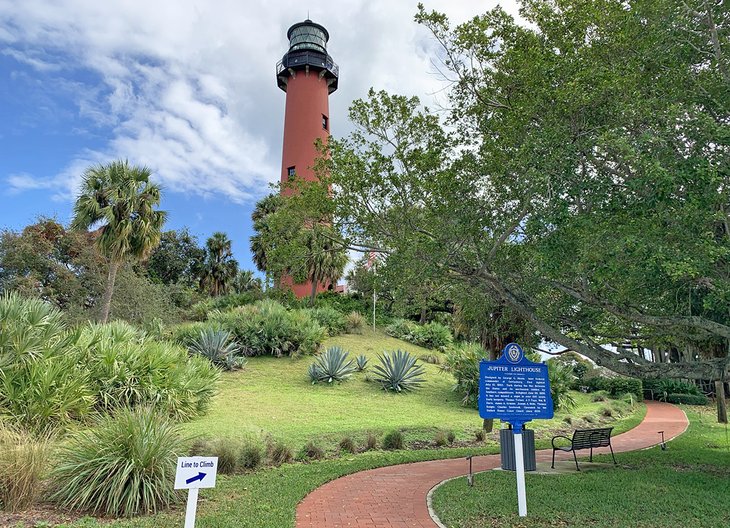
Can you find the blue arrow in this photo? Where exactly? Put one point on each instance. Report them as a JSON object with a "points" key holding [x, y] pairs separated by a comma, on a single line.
{"points": [[199, 476]]}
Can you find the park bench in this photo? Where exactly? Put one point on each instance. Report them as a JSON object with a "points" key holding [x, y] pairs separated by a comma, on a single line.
{"points": [[585, 439]]}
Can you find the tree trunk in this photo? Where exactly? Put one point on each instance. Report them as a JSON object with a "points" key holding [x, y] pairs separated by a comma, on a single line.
{"points": [[423, 315], [721, 403], [314, 293], [107, 300]]}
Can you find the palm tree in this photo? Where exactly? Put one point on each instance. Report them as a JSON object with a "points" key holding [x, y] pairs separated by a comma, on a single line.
{"points": [[118, 199], [266, 206], [246, 281], [325, 259], [220, 267]]}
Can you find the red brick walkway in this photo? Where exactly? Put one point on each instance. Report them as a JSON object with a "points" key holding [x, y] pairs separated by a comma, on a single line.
{"points": [[395, 496]]}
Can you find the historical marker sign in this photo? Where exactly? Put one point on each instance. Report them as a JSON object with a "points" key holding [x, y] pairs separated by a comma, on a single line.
{"points": [[515, 390]]}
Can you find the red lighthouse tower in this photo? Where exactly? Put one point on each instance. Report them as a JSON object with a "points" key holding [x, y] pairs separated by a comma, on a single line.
{"points": [[308, 75]]}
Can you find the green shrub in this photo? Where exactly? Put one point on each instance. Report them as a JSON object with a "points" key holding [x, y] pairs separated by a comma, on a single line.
{"points": [[462, 362], [127, 370], [433, 335], [403, 329], [268, 328], [354, 323], [433, 359], [43, 385], [480, 435], [23, 464], [311, 450], [251, 454], [334, 364], [600, 396], [278, 452], [218, 347], [361, 362], [607, 411], [440, 439], [228, 452], [616, 386], [661, 387], [561, 380], [186, 333], [122, 467], [343, 303], [223, 303], [398, 371], [393, 440], [451, 437], [687, 399], [331, 319]]}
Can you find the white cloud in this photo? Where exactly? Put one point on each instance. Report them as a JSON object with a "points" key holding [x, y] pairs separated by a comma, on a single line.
{"points": [[188, 88]]}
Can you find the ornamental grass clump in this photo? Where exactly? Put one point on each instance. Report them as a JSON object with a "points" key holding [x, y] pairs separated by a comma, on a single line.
{"points": [[347, 445], [23, 464], [278, 452], [334, 364], [311, 451], [123, 466], [354, 322], [398, 371], [393, 440], [371, 442], [252, 453], [227, 450]]}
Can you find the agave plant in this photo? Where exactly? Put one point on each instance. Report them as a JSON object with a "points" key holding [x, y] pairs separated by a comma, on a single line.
{"points": [[334, 364], [219, 347], [398, 371], [361, 362]]}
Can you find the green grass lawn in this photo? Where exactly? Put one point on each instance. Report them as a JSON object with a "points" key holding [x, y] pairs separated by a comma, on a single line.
{"points": [[274, 396], [686, 485]]}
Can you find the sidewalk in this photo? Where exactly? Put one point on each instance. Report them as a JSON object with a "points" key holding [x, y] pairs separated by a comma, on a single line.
{"points": [[395, 496]]}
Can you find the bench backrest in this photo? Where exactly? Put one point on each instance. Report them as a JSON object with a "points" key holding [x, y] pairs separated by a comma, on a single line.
{"points": [[585, 438]]}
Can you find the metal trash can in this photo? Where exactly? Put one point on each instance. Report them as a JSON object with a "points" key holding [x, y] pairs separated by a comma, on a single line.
{"points": [[507, 449]]}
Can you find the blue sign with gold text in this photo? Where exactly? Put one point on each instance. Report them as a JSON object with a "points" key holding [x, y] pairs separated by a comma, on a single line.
{"points": [[514, 389]]}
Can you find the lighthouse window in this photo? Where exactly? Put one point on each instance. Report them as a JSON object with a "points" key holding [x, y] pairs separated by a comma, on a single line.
{"points": [[291, 172], [325, 122]]}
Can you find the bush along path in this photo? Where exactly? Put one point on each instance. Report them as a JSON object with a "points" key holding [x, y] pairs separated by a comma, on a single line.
{"points": [[396, 496]]}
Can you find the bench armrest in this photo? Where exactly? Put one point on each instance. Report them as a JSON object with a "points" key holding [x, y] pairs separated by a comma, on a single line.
{"points": [[561, 436]]}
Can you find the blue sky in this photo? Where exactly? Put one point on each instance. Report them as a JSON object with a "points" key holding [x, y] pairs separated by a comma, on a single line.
{"points": [[186, 88]]}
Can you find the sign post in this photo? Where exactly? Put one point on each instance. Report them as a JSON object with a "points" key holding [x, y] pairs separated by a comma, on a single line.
{"points": [[193, 473], [515, 390]]}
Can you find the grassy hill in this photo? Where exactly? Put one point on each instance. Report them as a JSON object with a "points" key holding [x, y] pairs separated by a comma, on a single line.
{"points": [[274, 396]]}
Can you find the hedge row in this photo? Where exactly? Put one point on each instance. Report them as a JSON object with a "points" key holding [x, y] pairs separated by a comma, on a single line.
{"points": [[617, 386]]}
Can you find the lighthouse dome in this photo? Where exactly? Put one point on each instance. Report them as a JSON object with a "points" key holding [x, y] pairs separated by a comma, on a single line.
{"points": [[308, 35]]}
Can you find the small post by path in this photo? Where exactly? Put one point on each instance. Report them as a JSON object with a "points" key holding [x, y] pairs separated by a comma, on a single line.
{"points": [[520, 472], [193, 473]]}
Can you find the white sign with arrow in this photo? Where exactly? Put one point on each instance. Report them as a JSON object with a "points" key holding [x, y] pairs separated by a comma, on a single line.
{"points": [[192, 474]]}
